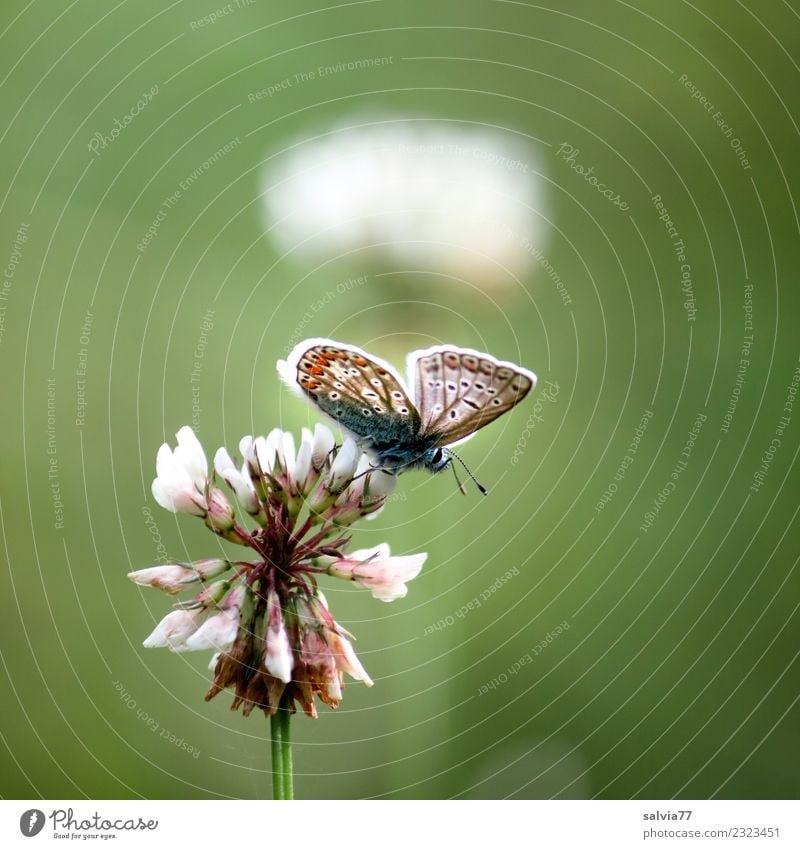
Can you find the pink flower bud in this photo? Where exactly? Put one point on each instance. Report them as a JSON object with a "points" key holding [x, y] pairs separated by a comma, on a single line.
{"points": [[172, 578], [220, 516]]}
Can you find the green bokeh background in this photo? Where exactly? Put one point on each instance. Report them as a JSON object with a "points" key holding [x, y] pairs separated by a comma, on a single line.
{"points": [[678, 674]]}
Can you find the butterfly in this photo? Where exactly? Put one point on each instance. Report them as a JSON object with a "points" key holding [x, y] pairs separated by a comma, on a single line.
{"points": [[453, 393]]}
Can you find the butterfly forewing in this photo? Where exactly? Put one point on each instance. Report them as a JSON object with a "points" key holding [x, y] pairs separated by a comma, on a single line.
{"points": [[357, 392], [459, 392]]}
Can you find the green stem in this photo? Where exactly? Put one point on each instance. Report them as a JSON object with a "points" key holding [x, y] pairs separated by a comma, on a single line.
{"points": [[277, 755], [282, 784], [288, 768]]}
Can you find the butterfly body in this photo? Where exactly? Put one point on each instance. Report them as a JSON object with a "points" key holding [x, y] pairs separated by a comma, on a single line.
{"points": [[454, 392]]}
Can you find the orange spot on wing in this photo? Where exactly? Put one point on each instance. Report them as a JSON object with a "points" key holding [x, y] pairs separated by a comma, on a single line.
{"points": [[315, 370]]}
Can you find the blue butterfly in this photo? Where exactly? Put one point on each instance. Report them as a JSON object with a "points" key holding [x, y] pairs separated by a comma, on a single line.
{"points": [[455, 392]]}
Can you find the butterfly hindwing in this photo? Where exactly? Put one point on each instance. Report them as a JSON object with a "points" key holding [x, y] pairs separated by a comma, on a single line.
{"points": [[359, 392], [458, 391]]}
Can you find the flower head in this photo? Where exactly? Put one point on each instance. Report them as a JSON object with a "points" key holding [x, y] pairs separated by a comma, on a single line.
{"points": [[267, 622]]}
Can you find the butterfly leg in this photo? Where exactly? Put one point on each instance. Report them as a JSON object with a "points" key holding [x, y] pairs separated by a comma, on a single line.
{"points": [[372, 469]]}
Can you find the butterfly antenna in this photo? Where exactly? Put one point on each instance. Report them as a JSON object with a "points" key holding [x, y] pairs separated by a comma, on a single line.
{"points": [[481, 489], [461, 488]]}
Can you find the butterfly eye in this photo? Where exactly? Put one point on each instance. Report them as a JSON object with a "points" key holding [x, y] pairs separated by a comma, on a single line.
{"points": [[437, 455]]}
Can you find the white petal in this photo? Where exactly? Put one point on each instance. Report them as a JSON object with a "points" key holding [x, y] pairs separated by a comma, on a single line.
{"points": [[344, 466], [381, 485], [303, 464], [223, 462], [177, 499], [191, 455], [389, 592], [217, 632], [246, 446], [165, 462], [379, 552], [323, 445], [287, 453], [173, 629], [265, 454], [278, 658], [346, 658]]}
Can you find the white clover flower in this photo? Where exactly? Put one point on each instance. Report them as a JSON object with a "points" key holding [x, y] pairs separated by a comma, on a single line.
{"points": [[267, 623]]}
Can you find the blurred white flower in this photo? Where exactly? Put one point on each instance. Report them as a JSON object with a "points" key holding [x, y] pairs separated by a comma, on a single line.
{"points": [[470, 199]]}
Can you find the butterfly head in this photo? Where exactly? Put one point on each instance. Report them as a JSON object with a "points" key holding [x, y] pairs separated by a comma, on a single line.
{"points": [[436, 459]]}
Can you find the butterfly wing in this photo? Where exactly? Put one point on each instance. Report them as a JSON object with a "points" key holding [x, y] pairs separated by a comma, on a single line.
{"points": [[358, 391], [458, 391]]}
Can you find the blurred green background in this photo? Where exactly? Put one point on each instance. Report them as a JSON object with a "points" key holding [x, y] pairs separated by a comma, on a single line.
{"points": [[677, 674]]}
